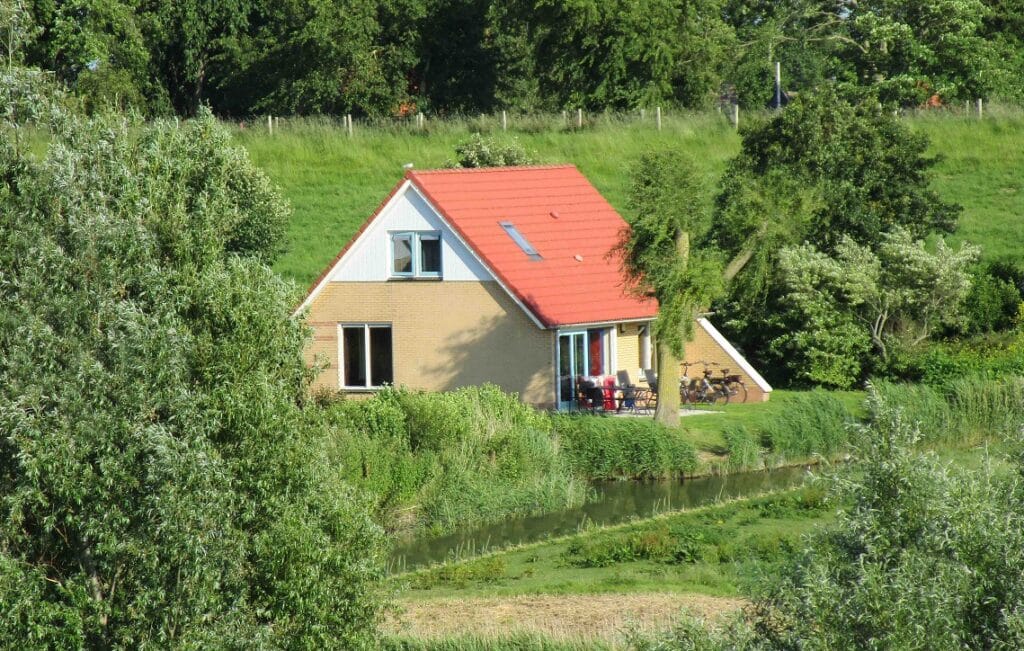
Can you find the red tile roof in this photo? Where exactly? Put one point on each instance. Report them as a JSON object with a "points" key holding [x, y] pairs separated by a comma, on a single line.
{"points": [[574, 229]]}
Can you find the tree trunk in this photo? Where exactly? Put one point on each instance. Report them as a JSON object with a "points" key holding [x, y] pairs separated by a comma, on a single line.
{"points": [[667, 412]]}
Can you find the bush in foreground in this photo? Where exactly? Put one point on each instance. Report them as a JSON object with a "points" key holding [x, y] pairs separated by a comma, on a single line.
{"points": [[160, 485], [925, 558]]}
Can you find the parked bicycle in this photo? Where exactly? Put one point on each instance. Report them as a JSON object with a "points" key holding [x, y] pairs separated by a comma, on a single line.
{"points": [[705, 390], [733, 385]]}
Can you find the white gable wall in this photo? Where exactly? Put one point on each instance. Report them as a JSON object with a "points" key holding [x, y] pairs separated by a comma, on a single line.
{"points": [[369, 258]]}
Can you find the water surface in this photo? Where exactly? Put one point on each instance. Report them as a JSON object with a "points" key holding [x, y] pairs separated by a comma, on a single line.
{"points": [[616, 502]]}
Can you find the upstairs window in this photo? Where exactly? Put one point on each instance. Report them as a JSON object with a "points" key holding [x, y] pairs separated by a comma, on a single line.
{"points": [[416, 254]]}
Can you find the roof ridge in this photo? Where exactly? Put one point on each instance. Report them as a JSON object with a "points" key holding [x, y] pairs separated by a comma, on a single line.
{"points": [[484, 170]]}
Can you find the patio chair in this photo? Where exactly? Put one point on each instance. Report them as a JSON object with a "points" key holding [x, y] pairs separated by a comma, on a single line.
{"points": [[647, 398], [589, 395], [652, 379]]}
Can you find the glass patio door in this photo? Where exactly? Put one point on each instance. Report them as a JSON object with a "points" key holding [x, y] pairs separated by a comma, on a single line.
{"points": [[572, 363]]}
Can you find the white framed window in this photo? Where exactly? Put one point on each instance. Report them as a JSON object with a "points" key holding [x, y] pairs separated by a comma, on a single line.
{"points": [[416, 254], [365, 355]]}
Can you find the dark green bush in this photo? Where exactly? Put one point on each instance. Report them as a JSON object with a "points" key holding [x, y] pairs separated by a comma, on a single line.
{"points": [[993, 302]]}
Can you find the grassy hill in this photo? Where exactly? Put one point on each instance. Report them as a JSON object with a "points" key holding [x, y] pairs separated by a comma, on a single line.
{"points": [[335, 182]]}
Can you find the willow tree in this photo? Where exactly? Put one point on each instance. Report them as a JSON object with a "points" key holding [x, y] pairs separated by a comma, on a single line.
{"points": [[162, 484], [662, 255], [668, 255]]}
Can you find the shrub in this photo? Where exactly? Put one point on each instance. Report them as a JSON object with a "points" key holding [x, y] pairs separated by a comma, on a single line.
{"points": [[815, 423], [992, 303], [606, 448], [479, 151], [490, 569], [743, 446], [859, 583]]}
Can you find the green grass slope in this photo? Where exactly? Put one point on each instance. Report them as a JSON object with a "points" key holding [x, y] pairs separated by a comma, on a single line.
{"points": [[334, 182]]}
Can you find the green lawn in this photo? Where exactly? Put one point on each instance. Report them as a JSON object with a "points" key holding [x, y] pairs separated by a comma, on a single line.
{"points": [[706, 432], [334, 183]]}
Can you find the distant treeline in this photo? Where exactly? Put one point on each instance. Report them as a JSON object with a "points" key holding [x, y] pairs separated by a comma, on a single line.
{"points": [[387, 57]]}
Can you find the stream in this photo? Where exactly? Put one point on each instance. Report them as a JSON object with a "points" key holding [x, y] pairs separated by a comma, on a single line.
{"points": [[616, 502]]}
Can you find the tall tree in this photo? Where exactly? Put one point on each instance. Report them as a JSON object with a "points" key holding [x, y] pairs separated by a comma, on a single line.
{"points": [[910, 51], [325, 56], [665, 257], [820, 170], [621, 54], [187, 39]]}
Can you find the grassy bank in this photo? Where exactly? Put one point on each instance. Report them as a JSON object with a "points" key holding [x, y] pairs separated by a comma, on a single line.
{"points": [[709, 550], [334, 182], [435, 462]]}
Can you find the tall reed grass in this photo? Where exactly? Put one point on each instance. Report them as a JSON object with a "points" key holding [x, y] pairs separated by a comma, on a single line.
{"points": [[816, 423], [624, 448], [962, 411], [445, 460]]}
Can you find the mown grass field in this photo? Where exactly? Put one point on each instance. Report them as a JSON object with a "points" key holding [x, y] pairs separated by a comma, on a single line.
{"points": [[334, 182]]}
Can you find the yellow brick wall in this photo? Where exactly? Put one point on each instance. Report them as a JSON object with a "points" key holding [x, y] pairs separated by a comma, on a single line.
{"points": [[445, 335], [700, 347], [703, 347], [628, 350]]}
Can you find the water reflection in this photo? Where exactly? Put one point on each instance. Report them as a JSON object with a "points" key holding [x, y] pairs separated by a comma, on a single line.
{"points": [[616, 502]]}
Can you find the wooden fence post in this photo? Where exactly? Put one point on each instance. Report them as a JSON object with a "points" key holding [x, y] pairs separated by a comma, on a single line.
{"points": [[657, 117], [579, 118], [270, 124], [348, 124], [736, 116], [504, 120], [979, 108]]}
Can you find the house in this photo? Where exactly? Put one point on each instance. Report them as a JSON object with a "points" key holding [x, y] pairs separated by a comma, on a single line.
{"points": [[501, 275]]}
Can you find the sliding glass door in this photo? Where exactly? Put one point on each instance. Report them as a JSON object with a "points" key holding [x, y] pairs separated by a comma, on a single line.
{"points": [[580, 354]]}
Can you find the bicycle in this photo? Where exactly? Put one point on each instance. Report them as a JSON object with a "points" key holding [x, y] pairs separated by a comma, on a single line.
{"points": [[733, 385], [708, 390]]}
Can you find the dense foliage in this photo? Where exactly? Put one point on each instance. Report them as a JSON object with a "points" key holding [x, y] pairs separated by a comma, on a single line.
{"points": [[886, 300], [860, 584], [438, 461], [160, 483], [831, 186], [390, 57], [665, 256]]}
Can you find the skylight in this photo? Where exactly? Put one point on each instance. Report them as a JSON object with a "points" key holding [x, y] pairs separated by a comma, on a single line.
{"points": [[520, 240]]}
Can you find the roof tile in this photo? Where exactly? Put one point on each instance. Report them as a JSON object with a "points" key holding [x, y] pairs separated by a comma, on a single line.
{"points": [[559, 289]]}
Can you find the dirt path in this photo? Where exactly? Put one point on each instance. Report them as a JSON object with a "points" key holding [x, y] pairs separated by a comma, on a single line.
{"points": [[601, 616]]}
